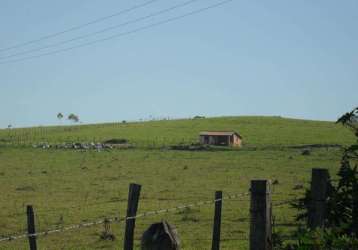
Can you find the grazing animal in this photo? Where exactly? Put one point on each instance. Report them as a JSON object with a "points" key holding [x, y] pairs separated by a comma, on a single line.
{"points": [[160, 236]]}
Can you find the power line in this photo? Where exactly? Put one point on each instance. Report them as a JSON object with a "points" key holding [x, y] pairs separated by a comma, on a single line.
{"points": [[102, 30], [123, 33], [101, 19]]}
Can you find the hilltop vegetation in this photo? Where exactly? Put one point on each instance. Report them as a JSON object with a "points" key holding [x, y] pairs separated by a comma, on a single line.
{"points": [[69, 187]]}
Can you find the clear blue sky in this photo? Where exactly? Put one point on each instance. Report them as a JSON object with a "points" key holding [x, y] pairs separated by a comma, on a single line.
{"points": [[248, 57]]}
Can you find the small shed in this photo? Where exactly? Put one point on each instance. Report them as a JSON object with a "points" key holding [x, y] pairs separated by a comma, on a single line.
{"points": [[221, 138]]}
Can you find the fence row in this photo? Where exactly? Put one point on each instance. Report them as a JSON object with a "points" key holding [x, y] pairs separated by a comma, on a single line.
{"points": [[68, 142], [260, 233]]}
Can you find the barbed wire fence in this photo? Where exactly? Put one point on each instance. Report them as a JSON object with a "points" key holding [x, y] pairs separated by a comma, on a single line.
{"points": [[259, 218], [79, 141], [78, 134], [121, 219], [115, 220]]}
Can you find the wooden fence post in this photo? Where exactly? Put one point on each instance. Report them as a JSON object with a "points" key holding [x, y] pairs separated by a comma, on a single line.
{"points": [[355, 209], [217, 221], [260, 212], [133, 199], [31, 227], [317, 203]]}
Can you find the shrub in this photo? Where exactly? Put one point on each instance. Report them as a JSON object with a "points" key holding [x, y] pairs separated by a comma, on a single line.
{"points": [[116, 141], [323, 240]]}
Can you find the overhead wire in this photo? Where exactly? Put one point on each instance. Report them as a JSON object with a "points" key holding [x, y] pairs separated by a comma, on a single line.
{"points": [[77, 27], [197, 11], [102, 30]]}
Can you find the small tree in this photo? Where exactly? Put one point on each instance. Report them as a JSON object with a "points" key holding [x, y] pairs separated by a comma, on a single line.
{"points": [[346, 192], [73, 117], [340, 230], [59, 116], [341, 203]]}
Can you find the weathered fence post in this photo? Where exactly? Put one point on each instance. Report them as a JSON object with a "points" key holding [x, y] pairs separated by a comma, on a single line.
{"points": [[217, 221], [260, 211], [355, 209], [133, 199], [31, 227], [317, 203]]}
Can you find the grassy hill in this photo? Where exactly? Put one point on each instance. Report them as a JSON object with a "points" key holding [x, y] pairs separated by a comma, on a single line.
{"points": [[255, 131], [68, 187]]}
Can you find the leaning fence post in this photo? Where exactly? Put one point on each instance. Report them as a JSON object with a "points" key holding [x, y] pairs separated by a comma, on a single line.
{"points": [[317, 203], [31, 227], [260, 212], [133, 198], [217, 221]]}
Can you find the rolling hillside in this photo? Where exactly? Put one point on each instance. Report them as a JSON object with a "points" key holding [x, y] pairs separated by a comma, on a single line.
{"points": [[255, 131], [71, 186]]}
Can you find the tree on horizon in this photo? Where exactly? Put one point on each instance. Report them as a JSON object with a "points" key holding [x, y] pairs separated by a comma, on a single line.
{"points": [[59, 116], [73, 117]]}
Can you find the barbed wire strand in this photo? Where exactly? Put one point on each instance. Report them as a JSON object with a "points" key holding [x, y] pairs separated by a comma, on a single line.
{"points": [[117, 219]]}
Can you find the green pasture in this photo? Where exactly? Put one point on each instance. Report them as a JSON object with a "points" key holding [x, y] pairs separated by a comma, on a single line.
{"points": [[69, 187]]}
